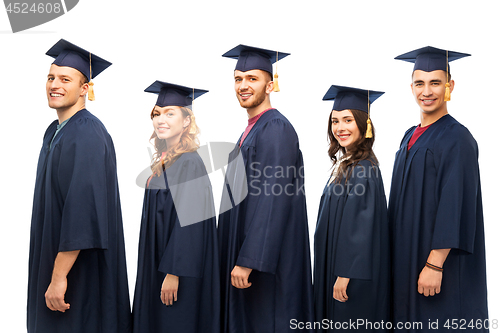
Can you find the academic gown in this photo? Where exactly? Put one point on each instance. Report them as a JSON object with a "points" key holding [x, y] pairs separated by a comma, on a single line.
{"points": [[267, 232], [435, 203], [188, 251], [76, 206], [352, 241]]}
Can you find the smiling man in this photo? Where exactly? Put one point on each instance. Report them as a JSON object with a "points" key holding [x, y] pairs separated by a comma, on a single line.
{"points": [[264, 240], [435, 210], [77, 271]]}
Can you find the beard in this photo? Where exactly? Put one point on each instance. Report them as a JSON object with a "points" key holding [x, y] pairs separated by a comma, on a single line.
{"points": [[258, 97]]}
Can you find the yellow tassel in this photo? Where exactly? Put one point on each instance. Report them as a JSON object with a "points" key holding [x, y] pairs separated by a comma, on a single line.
{"points": [[369, 133], [91, 91], [276, 86], [447, 94]]}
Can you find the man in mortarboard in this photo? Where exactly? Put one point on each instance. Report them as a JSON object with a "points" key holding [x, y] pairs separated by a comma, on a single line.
{"points": [[264, 239], [77, 271], [435, 210]]}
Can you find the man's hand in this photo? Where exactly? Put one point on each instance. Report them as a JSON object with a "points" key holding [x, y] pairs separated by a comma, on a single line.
{"points": [[340, 289], [429, 282], [54, 297], [169, 289], [239, 277]]}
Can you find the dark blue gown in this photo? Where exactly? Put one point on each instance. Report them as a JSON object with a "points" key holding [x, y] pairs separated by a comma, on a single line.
{"points": [[352, 241], [190, 252], [435, 203], [267, 232], [76, 206]]}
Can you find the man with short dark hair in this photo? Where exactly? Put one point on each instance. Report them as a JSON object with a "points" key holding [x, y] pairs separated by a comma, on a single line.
{"points": [[435, 210], [264, 240], [77, 271]]}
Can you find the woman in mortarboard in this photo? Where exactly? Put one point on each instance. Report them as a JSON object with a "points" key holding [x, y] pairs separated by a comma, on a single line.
{"points": [[177, 286], [351, 242]]}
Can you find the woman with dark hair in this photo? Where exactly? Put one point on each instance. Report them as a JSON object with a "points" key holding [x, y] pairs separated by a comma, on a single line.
{"points": [[177, 287], [351, 242]]}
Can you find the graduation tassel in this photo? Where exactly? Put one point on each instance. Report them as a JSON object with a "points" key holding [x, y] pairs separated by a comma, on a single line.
{"points": [[91, 95], [447, 93], [91, 91], [276, 86], [369, 132]]}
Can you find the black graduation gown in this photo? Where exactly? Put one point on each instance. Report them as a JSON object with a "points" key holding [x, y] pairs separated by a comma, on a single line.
{"points": [[76, 206], [189, 251], [267, 232], [352, 241], [435, 203]]}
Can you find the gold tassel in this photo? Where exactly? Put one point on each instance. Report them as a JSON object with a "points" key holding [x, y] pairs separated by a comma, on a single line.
{"points": [[192, 126], [276, 86], [369, 133], [91, 91], [447, 94]]}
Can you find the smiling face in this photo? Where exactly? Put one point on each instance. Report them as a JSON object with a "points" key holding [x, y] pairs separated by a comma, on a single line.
{"points": [[65, 88], [169, 123], [252, 89], [344, 128], [428, 88]]}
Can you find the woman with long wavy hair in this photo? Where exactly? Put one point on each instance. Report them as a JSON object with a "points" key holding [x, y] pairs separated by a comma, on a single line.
{"points": [[351, 242], [177, 285]]}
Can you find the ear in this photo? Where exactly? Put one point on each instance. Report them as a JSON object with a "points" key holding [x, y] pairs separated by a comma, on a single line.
{"points": [[269, 87], [452, 85], [84, 89], [187, 121], [411, 85]]}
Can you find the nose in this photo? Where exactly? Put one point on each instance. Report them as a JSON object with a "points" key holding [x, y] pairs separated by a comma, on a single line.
{"points": [[340, 127], [243, 85], [427, 91]]}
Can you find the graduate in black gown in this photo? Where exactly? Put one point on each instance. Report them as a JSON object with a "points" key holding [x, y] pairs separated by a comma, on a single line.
{"points": [[77, 272], [263, 236], [351, 242], [435, 210], [177, 288]]}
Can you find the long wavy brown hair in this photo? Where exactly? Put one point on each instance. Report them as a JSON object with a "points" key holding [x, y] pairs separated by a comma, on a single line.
{"points": [[361, 150], [188, 142]]}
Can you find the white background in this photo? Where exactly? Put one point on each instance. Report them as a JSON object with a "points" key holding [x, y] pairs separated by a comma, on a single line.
{"points": [[349, 43]]}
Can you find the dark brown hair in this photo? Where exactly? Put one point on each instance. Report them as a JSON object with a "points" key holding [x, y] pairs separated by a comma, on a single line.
{"points": [[361, 150]]}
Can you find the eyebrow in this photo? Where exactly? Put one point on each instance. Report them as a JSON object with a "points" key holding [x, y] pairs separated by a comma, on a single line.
{"points": [[431, 81], [343, 117]]}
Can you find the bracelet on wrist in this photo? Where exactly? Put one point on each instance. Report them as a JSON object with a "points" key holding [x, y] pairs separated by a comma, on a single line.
{"points": [[434, 267]]}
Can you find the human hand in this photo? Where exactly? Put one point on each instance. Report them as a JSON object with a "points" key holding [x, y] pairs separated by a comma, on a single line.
{"points": [[340, 289], [239, 277], [54, 296], [429, 282], [169, 288]]}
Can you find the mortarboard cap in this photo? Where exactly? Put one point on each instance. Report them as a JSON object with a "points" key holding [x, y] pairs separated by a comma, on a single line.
{"points": [[351, 98], [172, 94], [69, 55], [430, 59], [250, 58]]}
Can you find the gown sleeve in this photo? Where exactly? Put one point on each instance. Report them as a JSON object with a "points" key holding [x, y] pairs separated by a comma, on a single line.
{"points": [[456, 191], [85, 168], [357, 232], [270, 195], [184, 253]]}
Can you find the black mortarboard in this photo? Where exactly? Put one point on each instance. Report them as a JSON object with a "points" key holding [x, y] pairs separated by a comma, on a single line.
{"points": [[172, 94], [250, 58], [70, 55], [351, 98], [430, 59]]}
